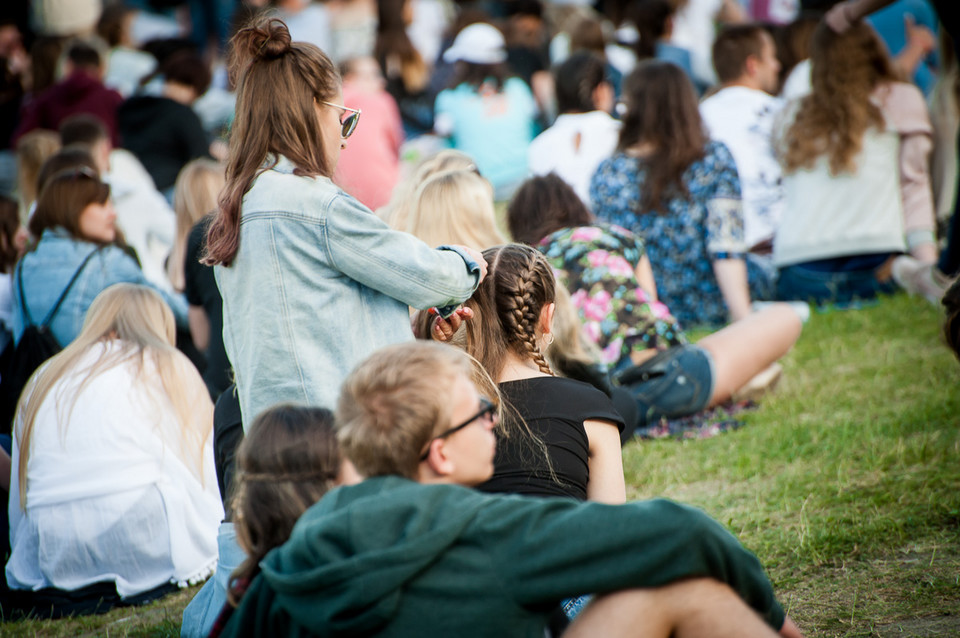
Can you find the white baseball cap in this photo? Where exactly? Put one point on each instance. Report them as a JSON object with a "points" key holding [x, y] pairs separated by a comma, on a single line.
{"points": [[478, 43]]}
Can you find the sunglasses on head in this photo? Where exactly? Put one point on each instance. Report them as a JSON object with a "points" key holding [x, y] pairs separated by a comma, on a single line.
{"points": [[488, 411], [349, 125]]}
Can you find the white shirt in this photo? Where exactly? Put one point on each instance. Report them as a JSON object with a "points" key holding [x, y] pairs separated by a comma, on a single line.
{"points": [[573, 148], [110, 494], [694, 29], [143, 214], [742, 118]]}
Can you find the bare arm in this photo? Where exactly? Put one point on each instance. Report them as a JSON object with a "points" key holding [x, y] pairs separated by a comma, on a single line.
{"points": [[645, 278], [920, 42], [731, 12], [731, 276], [842, 15], [199, 327], [606, 483], [4, 470]]}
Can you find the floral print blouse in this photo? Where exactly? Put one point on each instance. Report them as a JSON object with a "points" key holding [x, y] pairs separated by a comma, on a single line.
{"points": [[597, 264], [683, 242]]}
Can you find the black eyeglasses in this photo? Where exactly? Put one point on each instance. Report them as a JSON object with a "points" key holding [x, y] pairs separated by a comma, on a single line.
{"points": [[488, 412], [349, 125]]}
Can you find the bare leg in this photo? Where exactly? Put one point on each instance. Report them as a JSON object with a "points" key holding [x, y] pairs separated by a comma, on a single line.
{"points": [[686, 609], [746, 347]]}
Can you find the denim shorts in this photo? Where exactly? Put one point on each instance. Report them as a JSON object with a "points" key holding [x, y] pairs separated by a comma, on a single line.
{"points": [[843, 289], [674, 383]]}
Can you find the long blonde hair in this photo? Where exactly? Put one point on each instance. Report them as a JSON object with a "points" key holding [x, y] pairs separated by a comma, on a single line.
{"points": [[195, 194], [455, 207], [137, 318], [832, 120], [401, 204]]}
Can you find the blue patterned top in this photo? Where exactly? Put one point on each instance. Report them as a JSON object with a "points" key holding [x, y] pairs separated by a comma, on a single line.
{"points": [[683, 243]]}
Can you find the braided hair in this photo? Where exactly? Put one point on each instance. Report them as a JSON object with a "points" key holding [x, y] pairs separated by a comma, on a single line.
{"points": [[507, 307]]}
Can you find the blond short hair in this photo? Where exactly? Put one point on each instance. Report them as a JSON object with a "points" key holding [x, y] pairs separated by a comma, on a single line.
{"points": [[393, 403]]}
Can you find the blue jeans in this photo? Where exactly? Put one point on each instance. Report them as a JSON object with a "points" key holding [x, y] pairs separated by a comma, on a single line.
{"points": [[844, 289], [674, 383]]}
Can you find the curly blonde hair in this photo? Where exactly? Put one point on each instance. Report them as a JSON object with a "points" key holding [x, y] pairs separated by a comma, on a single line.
{"points": [[832, 120]]}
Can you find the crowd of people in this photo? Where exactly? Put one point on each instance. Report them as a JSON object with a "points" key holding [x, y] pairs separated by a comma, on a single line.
{"points": [[348, 307]]}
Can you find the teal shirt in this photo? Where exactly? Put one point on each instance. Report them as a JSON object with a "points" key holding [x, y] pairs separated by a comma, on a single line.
{"points": [[495, 128], [391, 557]]}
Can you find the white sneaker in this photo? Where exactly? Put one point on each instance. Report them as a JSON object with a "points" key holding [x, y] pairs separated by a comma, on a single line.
{"points": [[918, 278], [802, 308]]}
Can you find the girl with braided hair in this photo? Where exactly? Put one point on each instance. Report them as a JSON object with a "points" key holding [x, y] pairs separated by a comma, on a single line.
{"points": [[511, 328], [287, 461]]}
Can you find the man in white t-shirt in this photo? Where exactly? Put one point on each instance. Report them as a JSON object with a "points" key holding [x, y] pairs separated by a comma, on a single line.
{"points": [[741, 115], [584, 134]]}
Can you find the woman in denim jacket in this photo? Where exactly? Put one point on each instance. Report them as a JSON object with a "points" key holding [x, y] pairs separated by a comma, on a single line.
{"points": [[316, 282], [74, 218]]}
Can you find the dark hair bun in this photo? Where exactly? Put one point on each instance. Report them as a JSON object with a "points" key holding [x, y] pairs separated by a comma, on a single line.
{"points": [[265, 40]]}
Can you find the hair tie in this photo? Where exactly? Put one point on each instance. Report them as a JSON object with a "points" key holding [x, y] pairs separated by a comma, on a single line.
{"points": [[297, 477]]}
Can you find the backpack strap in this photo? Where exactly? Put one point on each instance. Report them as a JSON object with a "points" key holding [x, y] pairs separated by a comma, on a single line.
{"points": [[56, 306]]}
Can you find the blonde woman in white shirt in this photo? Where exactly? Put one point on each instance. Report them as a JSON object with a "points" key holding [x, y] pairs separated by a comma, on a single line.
{"points": [[112, 466]]}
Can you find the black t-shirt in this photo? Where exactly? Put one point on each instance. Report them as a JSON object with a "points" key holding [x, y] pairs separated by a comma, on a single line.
{"points": [[201, 290], [554, 408]]}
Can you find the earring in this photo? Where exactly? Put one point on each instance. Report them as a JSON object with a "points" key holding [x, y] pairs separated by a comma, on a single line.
{"points": [[549, 338]]}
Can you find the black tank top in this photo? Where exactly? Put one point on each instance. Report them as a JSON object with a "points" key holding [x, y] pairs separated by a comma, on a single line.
{"points": [[554, 408]]}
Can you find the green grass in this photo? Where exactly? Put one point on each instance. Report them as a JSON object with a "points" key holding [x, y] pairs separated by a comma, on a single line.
{"points": [[846, 483]]}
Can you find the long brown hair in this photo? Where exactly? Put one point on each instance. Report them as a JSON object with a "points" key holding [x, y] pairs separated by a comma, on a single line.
{"points": [[287, 461], [278, 84], [832, 120], [662, 114], [64, 197], [507, 307], [394, 50]]}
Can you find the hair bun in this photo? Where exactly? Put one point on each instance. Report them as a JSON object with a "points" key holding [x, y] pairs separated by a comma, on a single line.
{"points": [[265, 40]]}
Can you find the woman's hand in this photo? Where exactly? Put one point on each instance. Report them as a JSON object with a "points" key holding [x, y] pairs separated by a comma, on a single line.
{"points": [[475, 256], [444, 329]]}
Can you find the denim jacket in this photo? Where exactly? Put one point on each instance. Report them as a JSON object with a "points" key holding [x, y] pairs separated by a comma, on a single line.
{"points": [[318, 283], [48, 269]]}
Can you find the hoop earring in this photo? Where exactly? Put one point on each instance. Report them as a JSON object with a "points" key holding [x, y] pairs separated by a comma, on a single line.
{"points": [[550, 338]]}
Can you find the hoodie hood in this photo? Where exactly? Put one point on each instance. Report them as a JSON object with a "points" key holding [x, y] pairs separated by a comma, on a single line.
{"points": [[360, 563]]}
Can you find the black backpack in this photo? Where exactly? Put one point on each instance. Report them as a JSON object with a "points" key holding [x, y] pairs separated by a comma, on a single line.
{"points": [[36, 345]]}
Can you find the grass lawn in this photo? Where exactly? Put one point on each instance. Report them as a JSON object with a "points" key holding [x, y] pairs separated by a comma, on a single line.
{"points": [[846, 483]]}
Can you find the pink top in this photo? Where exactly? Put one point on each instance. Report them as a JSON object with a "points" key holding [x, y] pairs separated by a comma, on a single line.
{"points": [[370, 165]]}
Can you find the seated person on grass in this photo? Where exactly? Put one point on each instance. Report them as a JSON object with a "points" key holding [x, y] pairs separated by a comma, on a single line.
{"points": [[412, 551]]}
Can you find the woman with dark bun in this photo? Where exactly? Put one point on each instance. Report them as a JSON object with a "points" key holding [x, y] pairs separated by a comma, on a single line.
{"points": [[312, 281]]}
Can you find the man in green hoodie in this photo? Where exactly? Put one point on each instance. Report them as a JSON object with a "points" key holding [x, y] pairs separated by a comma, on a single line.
{"points": [[412, 551]]}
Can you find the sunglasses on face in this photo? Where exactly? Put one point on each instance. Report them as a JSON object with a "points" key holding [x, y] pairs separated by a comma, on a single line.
{"points": [[488, 412], [349, 125]]}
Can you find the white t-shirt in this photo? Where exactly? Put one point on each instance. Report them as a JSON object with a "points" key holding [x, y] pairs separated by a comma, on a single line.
{"points": [[111, 495], [573, 148], [742, 119], [694, 30]]}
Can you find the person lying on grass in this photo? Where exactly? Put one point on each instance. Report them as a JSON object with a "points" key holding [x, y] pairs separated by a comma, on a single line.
{"points": [[411, 550]]}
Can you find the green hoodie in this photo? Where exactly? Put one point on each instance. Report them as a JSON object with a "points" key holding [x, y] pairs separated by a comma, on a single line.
{"points": [[391, 557]]}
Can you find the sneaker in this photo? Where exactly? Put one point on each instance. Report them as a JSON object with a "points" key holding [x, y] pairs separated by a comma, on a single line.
{"points": [[761, 384], [802, 308], [918, 278]]}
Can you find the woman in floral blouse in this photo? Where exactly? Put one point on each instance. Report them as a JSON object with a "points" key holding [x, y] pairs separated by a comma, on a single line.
{"points": [[680, 192], [608, 275]]}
